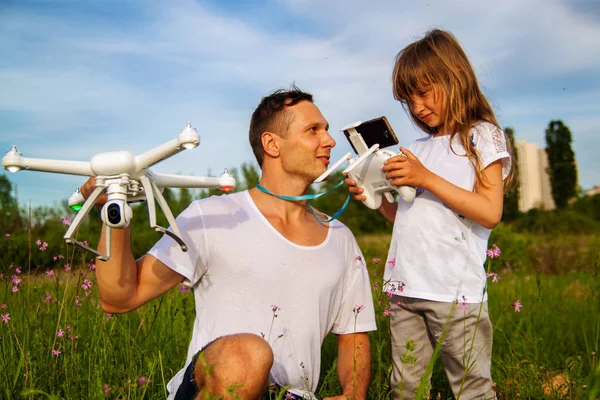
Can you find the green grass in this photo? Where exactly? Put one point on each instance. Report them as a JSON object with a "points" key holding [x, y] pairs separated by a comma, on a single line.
{"points": [[555, 336]]}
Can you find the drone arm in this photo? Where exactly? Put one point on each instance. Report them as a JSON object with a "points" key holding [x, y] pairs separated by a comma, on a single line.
{"points": [[188, 138], [152, 192], [157, 154], [87, 206], [179, 181], [48, 165]]}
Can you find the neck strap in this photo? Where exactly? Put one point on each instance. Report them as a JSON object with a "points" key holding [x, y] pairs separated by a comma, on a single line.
{"points": [[311, 197]]}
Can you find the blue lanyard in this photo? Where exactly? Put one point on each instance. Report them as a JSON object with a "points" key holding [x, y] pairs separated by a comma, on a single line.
{"points": [[311, 197]]}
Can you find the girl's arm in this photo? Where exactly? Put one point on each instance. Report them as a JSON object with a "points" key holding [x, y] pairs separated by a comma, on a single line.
{"points": [[387, 209], [483, 206]]}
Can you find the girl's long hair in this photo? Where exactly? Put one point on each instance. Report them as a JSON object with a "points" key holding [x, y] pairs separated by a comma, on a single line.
{"points": [[438, 61]]}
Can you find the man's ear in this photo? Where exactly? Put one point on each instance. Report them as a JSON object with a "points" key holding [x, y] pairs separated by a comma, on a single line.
{"points": [[270, 143]]}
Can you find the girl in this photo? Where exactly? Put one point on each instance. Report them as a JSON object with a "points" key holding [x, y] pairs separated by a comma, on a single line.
{"points": [[434, 272]]}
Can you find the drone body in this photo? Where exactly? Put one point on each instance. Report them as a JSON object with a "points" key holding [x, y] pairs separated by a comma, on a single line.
{"points": [[124, 178]]}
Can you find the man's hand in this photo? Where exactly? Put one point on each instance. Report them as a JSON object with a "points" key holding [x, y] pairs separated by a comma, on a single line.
{"points": [[355, 190], [88, 187]]}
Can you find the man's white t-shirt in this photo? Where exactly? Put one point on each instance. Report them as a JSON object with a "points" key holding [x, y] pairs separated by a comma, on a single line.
{"points": [[437, 254], [247, 277]]}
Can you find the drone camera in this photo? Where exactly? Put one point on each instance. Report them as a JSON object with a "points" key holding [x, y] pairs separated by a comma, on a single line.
{"points": [[116, 214]]}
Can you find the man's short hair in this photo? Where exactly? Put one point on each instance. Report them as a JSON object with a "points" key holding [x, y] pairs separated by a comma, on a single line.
{"points": [[271, 116]]}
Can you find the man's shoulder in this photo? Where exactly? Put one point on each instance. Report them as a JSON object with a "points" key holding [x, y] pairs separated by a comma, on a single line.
{"points": [[223, 203], [340, 229]]}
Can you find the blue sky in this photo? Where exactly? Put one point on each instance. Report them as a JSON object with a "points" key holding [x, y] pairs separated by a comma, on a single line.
{"points": [[82, 77]]}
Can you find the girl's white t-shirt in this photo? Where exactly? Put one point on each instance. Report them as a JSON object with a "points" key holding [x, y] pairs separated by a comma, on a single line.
{"points": [[435, 253], [247, 277]]}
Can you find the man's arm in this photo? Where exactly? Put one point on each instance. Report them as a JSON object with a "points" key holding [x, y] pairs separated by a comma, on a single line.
{"points": [[125, 283], [353, 366]]}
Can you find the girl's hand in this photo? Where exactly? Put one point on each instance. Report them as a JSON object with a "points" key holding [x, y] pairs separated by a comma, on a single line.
{"points": [[407, 170], [355, 190]]}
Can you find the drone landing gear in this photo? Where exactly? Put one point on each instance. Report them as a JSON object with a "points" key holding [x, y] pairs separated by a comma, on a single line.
{"points": [[151, 193], [85, 209]]}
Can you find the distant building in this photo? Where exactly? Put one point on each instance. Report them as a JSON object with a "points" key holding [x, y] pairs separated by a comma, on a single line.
{"points": [[593, 191], [534, 182]]}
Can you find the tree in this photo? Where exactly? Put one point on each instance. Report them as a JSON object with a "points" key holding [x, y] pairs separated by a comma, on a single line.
{"points": [[561, 163], [10, 219], [510, 207], [251, 175]]}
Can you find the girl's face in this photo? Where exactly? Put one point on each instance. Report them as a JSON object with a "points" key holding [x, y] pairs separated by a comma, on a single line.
{"points": [[428, 105]]}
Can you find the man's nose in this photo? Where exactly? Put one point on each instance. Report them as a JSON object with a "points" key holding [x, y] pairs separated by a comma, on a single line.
{"points": [[328, 141]]}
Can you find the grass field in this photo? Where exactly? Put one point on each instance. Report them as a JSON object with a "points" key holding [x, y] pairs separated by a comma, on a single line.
{"points": [[56, 342]]}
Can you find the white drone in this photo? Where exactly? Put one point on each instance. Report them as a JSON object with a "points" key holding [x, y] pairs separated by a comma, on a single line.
{"points": [[125, 178]]}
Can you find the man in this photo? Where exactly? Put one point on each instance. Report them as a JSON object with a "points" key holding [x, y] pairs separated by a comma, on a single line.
{"points": [[270, 280]]}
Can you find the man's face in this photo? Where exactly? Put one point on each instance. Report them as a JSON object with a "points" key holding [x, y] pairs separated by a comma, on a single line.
{"points": [[306, 148]]}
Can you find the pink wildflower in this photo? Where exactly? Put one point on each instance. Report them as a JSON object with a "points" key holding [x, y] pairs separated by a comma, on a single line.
{"points": [[38, 242], [492, 275], [391, 262], [358, 308], [7, 235], [55, 352], [376, 260], [5, 317], [92, 266], [494, 252], [48, 299], [86, 285], [50, 272], [67, 220], [16, 280], [108, 316], [184, 289], [517, 305], [143, 381], [386, 312], [18, 270], [3, 307], [463, 304], [15, 289], [44, 246], [67, 267], [77, 301], [68, 328], [106, 388], [275, 308], [60, 333]]}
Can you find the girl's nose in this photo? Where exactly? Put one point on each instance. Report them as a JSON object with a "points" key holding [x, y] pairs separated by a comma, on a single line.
{"points": [[417, 107]]}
